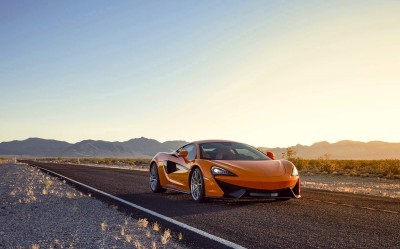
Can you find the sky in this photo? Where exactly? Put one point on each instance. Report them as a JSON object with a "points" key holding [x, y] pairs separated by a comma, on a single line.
{"points": [[267, 73]]}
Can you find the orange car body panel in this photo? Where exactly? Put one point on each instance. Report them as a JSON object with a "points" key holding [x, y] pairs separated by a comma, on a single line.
{"points": [[259, 175]]}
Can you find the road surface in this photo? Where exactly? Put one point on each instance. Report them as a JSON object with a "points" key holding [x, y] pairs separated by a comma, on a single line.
{"points": [[320, 219]]}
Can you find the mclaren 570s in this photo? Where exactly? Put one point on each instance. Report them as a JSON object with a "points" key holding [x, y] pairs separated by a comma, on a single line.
{"points": [[219, 168]]}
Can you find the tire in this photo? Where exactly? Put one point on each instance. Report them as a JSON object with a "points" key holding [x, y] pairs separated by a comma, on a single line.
{"points": [[155, 180], [197, 185]]}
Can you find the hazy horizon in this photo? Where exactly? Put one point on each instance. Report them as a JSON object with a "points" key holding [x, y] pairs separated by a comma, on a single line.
{"points": [[266, 73], [162, 141]]}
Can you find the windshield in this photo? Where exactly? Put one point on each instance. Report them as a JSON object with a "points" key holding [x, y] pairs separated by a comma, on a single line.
{"points": [[230, 151]]}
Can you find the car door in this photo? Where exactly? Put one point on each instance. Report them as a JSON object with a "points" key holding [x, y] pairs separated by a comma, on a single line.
{"points": [[177, 168]]}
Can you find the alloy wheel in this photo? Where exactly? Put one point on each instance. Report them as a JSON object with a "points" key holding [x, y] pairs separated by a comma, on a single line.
{"points": [[196, 185], [153, 178]]}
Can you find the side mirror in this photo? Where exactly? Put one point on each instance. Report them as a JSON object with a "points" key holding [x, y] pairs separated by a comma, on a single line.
{"points": [[270, 155], [183, 153]]}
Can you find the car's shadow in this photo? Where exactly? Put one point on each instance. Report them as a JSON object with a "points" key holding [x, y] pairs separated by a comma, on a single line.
{"points": [[174, 204]]}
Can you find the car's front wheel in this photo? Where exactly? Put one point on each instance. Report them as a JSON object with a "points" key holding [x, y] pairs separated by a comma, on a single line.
{"points": [[155, 180], [197, 185]]}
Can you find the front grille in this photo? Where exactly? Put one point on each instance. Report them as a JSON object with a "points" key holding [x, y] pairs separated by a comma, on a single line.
{"points": [[235, 191]]}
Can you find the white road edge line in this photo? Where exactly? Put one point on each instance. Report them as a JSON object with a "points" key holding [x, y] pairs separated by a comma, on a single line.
{"points": [[166, 218]]}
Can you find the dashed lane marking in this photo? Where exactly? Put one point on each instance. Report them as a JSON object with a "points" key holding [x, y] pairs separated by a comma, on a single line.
{"points": [[390, 211], [346, 205], [369, 208]]}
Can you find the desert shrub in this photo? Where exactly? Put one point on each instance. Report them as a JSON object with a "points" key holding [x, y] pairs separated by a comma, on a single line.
{"points": [[387, 167], [329, 166], [392, 166], [300, 163]]}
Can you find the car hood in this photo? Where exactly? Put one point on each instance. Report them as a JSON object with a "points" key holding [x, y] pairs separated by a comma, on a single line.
{"points": [[258, 168]]}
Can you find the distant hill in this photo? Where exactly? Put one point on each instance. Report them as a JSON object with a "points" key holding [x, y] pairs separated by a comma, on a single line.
{"points": [[5, 152], [138, 147], [91, 148], [345, 150], [145, 147], [33, 146], [150, 146]]}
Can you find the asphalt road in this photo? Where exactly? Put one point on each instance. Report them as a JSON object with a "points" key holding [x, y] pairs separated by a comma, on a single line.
{"points": [[320, 219]]}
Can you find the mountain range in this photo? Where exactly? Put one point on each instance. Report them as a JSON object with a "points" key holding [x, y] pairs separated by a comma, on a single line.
{"points": [[343, 150], [137, 147], [145, 147]]}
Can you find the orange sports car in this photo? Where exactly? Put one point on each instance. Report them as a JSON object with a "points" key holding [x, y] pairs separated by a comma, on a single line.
{"points": [[219, 168]]}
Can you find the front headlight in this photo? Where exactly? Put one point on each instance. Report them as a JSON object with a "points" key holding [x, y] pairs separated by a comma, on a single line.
{"points": [[294, 171], [215, 170]]}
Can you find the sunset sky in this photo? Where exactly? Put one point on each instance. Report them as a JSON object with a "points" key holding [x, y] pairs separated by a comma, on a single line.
{"points": [[267, 73]]}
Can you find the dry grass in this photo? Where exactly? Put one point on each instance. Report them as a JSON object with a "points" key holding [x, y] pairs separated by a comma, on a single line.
{"points": [[142, 223], [156, 227], [4, 160], [37, 184], [128, 238], [103, 227], [47, 182], [165, 237], [126, 233], [70, 195], [35, 246], [134, 233], [138, 245]]}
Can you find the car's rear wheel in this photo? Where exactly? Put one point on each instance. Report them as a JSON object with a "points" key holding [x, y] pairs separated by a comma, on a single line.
{"points": [[155, 180], [197, 185]]}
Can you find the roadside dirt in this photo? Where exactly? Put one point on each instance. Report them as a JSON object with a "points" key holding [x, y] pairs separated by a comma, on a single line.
{"points": [[357, 185], [41, 211]]}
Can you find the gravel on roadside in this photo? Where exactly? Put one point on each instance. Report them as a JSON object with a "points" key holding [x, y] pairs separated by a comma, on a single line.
{"points": [[349, 184], [40, 211]]}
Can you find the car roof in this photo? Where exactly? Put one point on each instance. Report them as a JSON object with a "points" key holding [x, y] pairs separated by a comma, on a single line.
{"points": [[211, 141]]}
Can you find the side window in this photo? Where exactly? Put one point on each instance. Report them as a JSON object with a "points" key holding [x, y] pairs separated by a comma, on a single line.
{"points": [[191, 149]]}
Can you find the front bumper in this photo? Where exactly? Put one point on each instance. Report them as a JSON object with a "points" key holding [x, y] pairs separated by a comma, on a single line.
{"points": [[235, 191]]}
